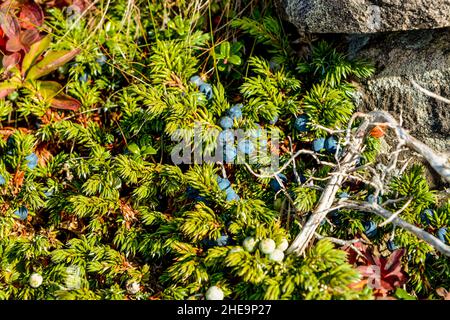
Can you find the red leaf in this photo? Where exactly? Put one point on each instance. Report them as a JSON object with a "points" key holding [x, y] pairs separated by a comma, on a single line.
{"points": [[2, 39], [11, 60], [13, 44], [9, 24], [31, 16], [63, 101], [28, 37], [394, 260], [23, 41], [4, 92]]}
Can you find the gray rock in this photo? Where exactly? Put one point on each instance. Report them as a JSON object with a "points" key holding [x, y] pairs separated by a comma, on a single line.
{"points": [[364, 16], [423, 56]]}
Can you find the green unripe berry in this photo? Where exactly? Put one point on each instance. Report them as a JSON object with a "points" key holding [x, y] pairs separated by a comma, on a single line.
{"points": [[13, 96], [249, 244], [35, 280], [283, 245], [267, 246], [277, 255], [214, 293], [133, 287]]}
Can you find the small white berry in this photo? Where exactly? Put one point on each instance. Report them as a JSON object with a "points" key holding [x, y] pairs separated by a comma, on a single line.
{"points": [[35, 280], [249, 244], [214, 293], [133, 287], [277, 255], [283, 245], [267, 246]]}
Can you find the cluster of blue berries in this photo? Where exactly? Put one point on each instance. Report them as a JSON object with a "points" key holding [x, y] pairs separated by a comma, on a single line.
{"points": [[203, 87], [224, 185], [329, 144], [226, 137]]}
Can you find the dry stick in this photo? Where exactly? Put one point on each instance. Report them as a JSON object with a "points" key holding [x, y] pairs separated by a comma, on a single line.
{"points": [[396, 213], [302, 240], [437, 161], [429, 93], [420, 233]]}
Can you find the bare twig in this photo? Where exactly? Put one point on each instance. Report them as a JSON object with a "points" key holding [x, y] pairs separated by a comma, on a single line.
{"points": [[429, 93], [273, 174], [439, 162], [327, 197], [396, 213], [420, 233], [354, 146]]}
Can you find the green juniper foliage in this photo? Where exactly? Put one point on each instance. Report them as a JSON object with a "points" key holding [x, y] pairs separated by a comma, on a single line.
{"points": [[92, 201]]}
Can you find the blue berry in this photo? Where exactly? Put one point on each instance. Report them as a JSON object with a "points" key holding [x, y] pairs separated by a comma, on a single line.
{"points": [[196, 80], [391, 245], [83, 77], [246, 146], [301, 123], [226, 137], [223, 183], [331, 144], [335, 217], [235, 112], [229, 154], [2, 180], [426, 216], [274, 183], [441, 234], [223, 240], [274, 66], [226, 122], [231, 195], [318, 144], [370, 229], [22, 213], [302, 177], [371, 199], [193, 194], [48, 193], [344, 195], [101, 60], [32, 161], [207, 90]]}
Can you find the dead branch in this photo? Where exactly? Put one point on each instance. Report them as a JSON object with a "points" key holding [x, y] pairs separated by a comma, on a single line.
{"points": [[354, 145], [420, 233]]}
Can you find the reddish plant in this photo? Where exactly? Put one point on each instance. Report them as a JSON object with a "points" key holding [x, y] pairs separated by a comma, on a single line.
{"points": [[23, 49], [382, 274]]}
